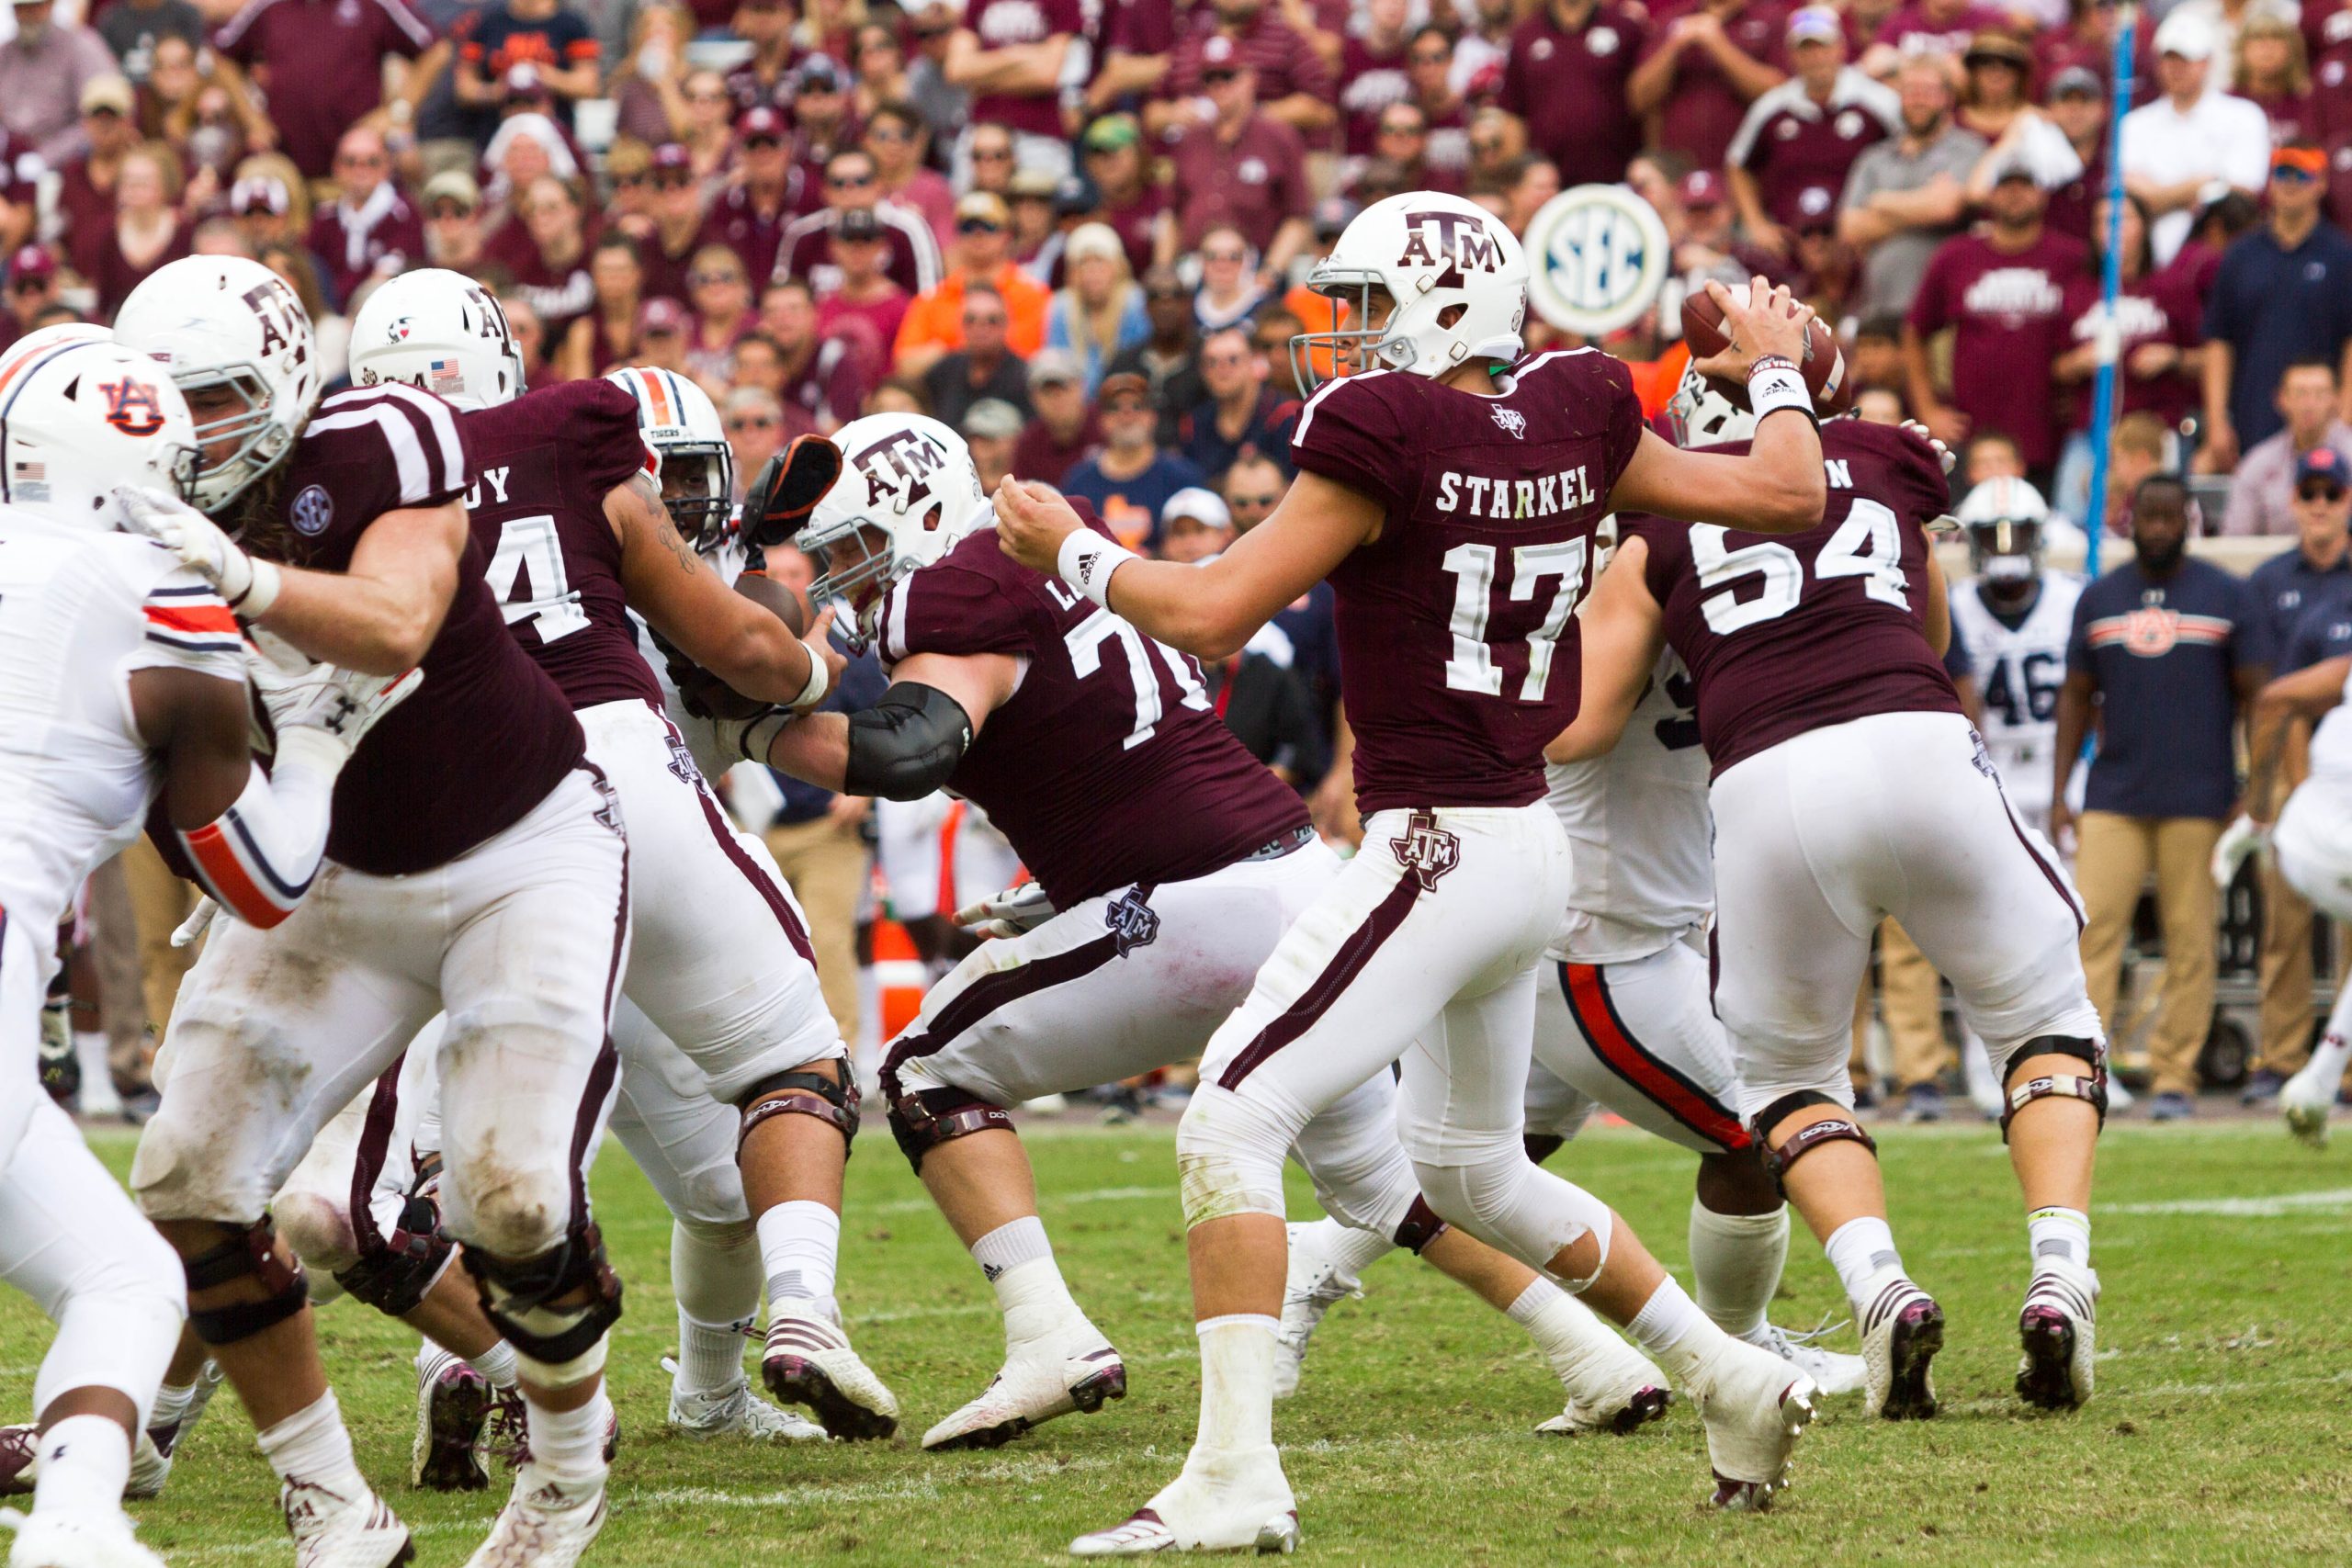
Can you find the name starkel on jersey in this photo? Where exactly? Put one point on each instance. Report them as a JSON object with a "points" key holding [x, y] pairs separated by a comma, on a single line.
{"points": [[1508, 499]]}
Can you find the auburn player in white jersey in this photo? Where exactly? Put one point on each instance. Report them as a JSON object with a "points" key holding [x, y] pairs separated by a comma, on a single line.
{"points": [[2014, 620], [122, 680], [1452, 495]]}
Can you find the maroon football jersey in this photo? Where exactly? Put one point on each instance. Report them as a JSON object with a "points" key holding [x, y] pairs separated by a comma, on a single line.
{"points": [[543, 465], [487, 735], [1786, 633], [1459, 655], [1109, 764]]}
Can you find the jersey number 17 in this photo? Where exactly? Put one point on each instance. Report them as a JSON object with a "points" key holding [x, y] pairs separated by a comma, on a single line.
{"points": [[1473, 667]]}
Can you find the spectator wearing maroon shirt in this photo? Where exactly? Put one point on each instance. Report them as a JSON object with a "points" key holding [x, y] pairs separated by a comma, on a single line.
{"points": [[1484, 48], [32, 289], [21, 171], [1243, 168], [819, 376], [896, 137], [2160, 327], [1429, 68], [1012, 56], [1567, 78], [1706, 62], [821, 122], [719, 292], [2064, 144], [45, 70], [544, 249], [750, 215], [762, 80], [86, 184], [1993, 93], [1296, 84], [370, 230], [2004, 292], [1372, 73], [851, 184], [147, 229], [676, 208], [2270, 69], [856, 248], [2327, 44], [1937, 26], [1062, 431], [1789, 159], [1126, 197], [1403, 139], [453, 221], [607, 334], [322, 63]]}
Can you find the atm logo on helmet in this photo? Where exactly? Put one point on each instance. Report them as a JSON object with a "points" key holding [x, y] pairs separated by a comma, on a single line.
{"points": [[131, 407], [1457, 239], [900, 467]]}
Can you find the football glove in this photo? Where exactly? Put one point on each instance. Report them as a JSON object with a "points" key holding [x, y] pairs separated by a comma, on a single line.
{"points": [[2238, 841], [198, 921], [250, 586], [787, 488], [340, 704], [1943, 453], [1009, 913]]}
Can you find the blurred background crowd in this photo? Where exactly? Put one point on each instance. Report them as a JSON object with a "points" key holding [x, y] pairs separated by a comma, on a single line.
{"points": [[1078, 231]]}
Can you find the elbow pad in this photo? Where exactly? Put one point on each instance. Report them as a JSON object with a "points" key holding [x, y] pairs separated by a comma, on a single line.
{"points": [[907, 744], [258, 858]]}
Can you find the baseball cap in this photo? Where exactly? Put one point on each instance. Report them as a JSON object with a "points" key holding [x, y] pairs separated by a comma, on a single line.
{"points": [[258, 193], [1032, 185], [1219, 54], [671, 155], [1049, 366], [1332, 215], [1199, 505], [2185, 34], [660, 314], [2013, 169], [759, 120], [1111, 132], [110, 93], [2323, 462], [1075, 196], [2076, 79], [1123, 383], [985, 205], [450, 184], [992, 419], [1816, 24], [1702, 187], [858, 224], [818, 73], [523, 80], [1992, 44], [31, 261], [1093, 240]]}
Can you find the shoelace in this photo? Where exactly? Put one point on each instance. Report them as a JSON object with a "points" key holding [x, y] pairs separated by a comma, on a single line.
{"points": [[1819, 1331]]}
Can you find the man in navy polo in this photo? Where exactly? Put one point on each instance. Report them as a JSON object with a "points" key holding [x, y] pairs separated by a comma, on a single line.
{"points": [[2284, 293], [2166, 651]]}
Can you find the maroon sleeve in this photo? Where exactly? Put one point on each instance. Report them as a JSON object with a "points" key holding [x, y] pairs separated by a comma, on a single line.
{"points": [[1311, 73], [1927, 494], [951, 607], [1669, 550], [601, 423], [370, 451], [1350, 433]]}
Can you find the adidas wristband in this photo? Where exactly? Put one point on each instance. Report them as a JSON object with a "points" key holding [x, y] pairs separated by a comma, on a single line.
{"points": [[1774, 383], [1088, 559]]}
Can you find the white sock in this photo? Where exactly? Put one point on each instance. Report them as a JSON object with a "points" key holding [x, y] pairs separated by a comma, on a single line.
{"points": [[312, 1446], [1563, 1329], [1673, 1331], [1735, 1263], [1237, 1382], [1861, 1250], [498, 1364], [800, 1242], [85, 1461], [1012, 1244], [2054, 1232], [2333, 1053], [710, 1356], [171, 1405], [98, 1097], [570, 1443], [1352, 1249]]}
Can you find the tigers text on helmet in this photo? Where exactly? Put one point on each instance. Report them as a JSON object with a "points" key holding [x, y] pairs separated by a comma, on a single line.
{"points": [[81, 417], [1456, 273], [908, 493], [439, 331], [226, 324], [2004, 517], [681, 424]]}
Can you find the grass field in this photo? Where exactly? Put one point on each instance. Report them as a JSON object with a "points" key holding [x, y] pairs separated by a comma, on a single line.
{"points": [[2222, 1432]]}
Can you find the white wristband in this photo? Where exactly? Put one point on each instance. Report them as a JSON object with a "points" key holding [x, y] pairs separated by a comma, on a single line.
{"points": [[260, 593], [757, 735], [1774, 384], [820, 678], [1088, 559]]}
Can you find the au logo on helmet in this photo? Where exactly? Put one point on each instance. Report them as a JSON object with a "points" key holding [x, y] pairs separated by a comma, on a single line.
{"points": [[132, 407]]}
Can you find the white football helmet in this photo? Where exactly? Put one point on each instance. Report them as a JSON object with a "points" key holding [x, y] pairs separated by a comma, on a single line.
{"points": [[439, 331], [226, 322], [909, 493], [1701, 414], [682, 424], [2004, 517], [80, 418], [1456, 274]]}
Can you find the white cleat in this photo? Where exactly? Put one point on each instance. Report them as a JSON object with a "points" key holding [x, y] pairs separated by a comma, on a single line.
{"points": [[69, 1540], [1043, 1379], [1755, 1407], [1613, 1388], [736, 1413], [150, 1457], [1233, 1503], [1903, 1328], [453, 1405], [809, 1361], [2306, 1100], [2058, 1327], [1832, 1373], [1313, 1286], [331, 1530], [547, 1522]]}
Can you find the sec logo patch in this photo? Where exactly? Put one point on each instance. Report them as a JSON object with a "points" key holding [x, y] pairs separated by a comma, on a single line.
{"points": [[312, 510]]}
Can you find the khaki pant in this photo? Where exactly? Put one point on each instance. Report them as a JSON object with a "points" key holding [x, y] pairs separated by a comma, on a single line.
{"points": [[2117, 855], [2286, 956], [826, 864], [159, 902], [1910, 996], [114, 962]]}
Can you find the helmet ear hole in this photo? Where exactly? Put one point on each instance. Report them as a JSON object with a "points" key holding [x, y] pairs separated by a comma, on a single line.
{"points": [[1451, 314]]}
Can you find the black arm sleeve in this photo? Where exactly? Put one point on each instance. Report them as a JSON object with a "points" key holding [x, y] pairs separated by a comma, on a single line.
{"points": [[906, 745]]}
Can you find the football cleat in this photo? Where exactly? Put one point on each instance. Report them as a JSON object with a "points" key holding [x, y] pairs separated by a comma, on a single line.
{"points": [[57, 1540], [2058, 1326], [1313, 1286], [547, 1523], [331, 1530], [1039, 1381], [1644, 1406], [1755, 1407], [809, 1361], [1228, 1503], [1902, 1330], [453, 1407], [152, 1456], [735, 1413], [2305, 1100], [1831, 1372], [19, 1458]]}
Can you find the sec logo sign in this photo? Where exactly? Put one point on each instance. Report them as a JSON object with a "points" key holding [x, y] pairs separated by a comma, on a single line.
{"points": [[1597, 257]]}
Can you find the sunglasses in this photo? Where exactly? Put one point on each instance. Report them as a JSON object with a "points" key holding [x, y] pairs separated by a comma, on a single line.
{"points": [[674, 180], [762, 144], [849, 182], [26, 285], [1225, 256], [708, 279], [440, 211], [358, 160], [926, 35], [1485, 146], [978, 226], [992, 154], [2322, 492], [2292, 176], [1219, 78], [754, 422], [630, 181], [1126, 404], [888, 133]]}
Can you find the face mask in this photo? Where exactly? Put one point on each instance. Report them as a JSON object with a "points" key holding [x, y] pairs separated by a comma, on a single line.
{"points": [[2008, 569]]}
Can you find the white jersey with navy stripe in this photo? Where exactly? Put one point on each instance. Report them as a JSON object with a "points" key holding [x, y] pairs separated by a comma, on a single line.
{"points": [[2018, 672], [79, 612], [1638, 820]]}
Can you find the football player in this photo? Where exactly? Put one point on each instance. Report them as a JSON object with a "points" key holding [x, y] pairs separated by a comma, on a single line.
{"points": [[1168, 861], [2013, 621], [1450, 493], [477, 865], [1849, 786], [123, 684]]}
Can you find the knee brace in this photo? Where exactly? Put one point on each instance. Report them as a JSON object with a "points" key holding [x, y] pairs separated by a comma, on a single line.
{"points": [[519, 1298], [395, 1273], [830, 1098], [922, 1120], [249, 1252], [2060, 1086], [1420, 1227], [1778, 1160]]}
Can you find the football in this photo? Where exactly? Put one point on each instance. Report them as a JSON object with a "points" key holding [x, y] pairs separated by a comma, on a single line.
{"points": [[1823, 366], [706, 695]]}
